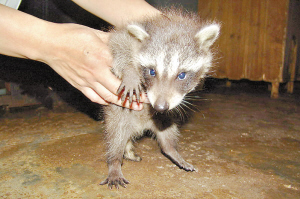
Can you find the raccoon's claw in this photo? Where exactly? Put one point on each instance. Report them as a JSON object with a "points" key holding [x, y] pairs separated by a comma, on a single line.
{"points": [[115, 182], [138, 93], [128, 92], [120, 89]]}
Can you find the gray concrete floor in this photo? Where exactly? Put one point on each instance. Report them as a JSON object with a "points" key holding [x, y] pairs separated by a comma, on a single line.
{"points": [[244, 145]]}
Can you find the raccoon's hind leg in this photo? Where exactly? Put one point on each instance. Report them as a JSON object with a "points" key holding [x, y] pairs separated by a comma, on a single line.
{"points": [[117, 138], [129, 153], [167, 140], [115, 175]]}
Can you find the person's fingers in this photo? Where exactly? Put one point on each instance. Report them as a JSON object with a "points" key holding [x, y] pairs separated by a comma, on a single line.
{"points": [[109, 97], [108, 80], [93, 96]]}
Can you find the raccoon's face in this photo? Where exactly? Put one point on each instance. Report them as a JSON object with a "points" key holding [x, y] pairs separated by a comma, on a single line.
{"points": [[165, 93], [172, 64], [166, 86]]}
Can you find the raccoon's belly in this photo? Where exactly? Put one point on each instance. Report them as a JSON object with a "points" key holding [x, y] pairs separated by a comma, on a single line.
{"points": [[137, 120]]}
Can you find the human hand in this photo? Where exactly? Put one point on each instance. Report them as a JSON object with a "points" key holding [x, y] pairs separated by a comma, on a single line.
{"points": [[81, 56]]}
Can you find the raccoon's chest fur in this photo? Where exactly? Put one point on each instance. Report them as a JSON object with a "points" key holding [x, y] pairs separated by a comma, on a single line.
{"points": [[136, 122]]}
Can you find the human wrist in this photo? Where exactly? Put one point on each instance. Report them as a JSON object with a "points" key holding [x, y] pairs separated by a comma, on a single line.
{"points": [[38, 47], [44, 47]]}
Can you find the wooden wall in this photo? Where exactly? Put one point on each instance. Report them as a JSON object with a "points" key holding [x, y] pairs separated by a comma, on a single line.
{"points": [[252, 40], [293, 38]]}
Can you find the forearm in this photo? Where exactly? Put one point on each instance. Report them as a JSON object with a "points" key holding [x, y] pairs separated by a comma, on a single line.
{"points": [[21, 35], [118, 12]]}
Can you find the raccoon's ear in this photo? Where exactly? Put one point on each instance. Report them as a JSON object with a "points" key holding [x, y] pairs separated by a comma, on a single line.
{"points": [[138, 32], [207, 36]]}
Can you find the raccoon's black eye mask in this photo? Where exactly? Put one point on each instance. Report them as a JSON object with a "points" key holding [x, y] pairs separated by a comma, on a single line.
{"points": [[148, 71]]}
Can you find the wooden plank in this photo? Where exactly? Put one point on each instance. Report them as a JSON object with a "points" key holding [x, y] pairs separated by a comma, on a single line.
{"points": [[292, 65], [211, 10], [252, 38], [276, 23], [236, 47], [252, 61]]}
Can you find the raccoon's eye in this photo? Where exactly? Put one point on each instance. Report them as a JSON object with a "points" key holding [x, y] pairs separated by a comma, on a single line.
{"points": [[182, 76], [152, 72]]}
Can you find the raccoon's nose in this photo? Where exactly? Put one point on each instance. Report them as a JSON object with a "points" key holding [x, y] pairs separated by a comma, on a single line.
{"points": [[161, 106]]}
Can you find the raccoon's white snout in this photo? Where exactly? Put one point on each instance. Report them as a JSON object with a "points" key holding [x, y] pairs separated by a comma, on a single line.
{"points": [[164, 102]]}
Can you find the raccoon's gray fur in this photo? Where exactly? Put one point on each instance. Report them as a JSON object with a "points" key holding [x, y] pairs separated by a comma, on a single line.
{"points": [[166, 56]]}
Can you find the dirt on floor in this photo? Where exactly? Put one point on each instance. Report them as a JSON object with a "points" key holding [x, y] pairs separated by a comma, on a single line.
{"points": [[243, 144]]}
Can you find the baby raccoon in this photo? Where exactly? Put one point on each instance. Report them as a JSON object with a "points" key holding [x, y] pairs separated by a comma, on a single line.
{"points": [[166, 56]]}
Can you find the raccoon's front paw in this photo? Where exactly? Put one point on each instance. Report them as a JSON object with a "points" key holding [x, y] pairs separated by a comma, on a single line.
{"points": [[115, 181], [129, 88]]}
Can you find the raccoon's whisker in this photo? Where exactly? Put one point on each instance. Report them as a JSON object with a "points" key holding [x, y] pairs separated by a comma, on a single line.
{"points": [[154, 113], [195, 98], [176, 111], [182, 112], [170, 113], [189, 105], [187, 102]]}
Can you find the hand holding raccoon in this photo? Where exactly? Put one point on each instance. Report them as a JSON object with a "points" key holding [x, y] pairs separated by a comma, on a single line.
{"points": [[166, 56], [78, 53]]}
